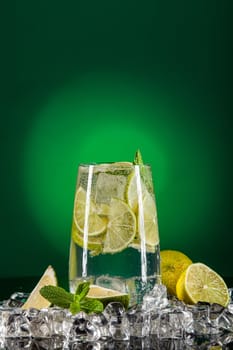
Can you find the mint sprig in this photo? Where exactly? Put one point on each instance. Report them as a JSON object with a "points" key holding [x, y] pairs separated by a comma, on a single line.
{"points": [[74, 302], [138, 158], [144, 171]]}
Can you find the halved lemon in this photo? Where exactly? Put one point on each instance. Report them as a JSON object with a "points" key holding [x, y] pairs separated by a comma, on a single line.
{"points": [[200, 283], [96, 224], [35, 299], [121, 227], [173, 264], [106, 295]]}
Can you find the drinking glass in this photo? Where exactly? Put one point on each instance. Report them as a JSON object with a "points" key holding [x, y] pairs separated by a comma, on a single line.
{"points": [[114, 236]]}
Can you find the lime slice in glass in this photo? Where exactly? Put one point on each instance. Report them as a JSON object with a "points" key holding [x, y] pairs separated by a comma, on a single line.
{"points": [[96, 224], [149, 213], [121, 227], [94, 243]]}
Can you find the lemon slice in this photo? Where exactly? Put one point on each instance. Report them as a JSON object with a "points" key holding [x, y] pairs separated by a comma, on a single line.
{"points": [[96, 224], [94, 243], [121, 227], [200, 283], [35, 300], [106, 295], [173, 263], [149, 213]]}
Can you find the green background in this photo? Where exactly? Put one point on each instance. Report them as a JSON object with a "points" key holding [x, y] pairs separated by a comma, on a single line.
{"points": [[90, 81]]}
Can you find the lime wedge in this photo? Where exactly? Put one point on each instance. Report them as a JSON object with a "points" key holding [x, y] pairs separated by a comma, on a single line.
{"points": [[35, 299], [200, 283], [106, 295], [96, 224], [121, 227]]}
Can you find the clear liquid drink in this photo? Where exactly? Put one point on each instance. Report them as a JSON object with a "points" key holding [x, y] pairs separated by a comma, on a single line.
{"points": [[114, 238]]}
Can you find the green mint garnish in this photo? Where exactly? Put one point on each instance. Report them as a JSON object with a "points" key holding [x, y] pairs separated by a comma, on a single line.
{"points": [[57, 296], [138, 158], [82, 289], [91, 304], [144, 171], [74, 302], [75, 308]]}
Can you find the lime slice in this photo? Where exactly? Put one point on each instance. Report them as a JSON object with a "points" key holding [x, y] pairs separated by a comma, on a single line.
{"points": [[173, 263], [149, 213], [96, 224], [121, 227], [94, 244], [150, 220], [35, 299], [102, 209], [200, 283], [131, 193], [106, 295]]}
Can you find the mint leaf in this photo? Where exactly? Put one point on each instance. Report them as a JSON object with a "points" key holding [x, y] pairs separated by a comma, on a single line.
{"points": [[74, 302], [75, 307], [82, 290], [91, 305], [144, 171], [57, 296], [138, 158]]}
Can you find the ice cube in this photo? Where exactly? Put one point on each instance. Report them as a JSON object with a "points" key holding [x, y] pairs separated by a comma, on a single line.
{"points": [[155, 299], [225, 321], [119, 328], [18, 344], [201, 320], [110, 186], [114, 310], [83, 329], [230, 291], [100, 321], [170, 324], [14, 323], [176, 303], [118, 323], [139, 322], [40, 325], [60, 321], [230, 306]]}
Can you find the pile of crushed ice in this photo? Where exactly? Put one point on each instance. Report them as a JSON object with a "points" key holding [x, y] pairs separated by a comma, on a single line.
{"points": [[159, 319]]}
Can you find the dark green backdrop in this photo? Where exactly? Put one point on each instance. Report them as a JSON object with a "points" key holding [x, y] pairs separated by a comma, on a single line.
{"points": [[93, 81]]}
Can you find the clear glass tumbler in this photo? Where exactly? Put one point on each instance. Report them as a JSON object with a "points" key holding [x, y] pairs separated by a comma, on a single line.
{"points": [[114, 236]]}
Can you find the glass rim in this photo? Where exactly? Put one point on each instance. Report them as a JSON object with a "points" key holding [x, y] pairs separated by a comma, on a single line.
{"points": [[112, 164]]}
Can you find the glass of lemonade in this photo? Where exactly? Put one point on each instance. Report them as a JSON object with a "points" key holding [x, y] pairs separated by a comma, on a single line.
{"points": [[114, 236]]}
